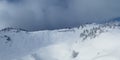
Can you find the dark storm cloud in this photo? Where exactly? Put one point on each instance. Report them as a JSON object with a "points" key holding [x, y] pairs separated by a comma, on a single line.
{"points": [[14, 1], [53, 14]]}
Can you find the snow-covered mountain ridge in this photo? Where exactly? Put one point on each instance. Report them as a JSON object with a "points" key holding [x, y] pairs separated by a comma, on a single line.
{"points": [[87, 42]]}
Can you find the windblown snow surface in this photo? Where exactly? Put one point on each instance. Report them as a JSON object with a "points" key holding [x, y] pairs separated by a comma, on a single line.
{"points": [[88, 42]]}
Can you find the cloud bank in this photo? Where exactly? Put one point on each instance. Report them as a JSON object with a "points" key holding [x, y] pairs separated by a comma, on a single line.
{"points": [[35, 15]]}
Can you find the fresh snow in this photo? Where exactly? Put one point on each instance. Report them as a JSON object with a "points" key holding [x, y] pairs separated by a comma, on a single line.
{"points": [[88, 42]]}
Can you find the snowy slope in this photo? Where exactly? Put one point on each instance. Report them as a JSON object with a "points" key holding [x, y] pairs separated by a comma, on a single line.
{"points": [[17, 43], [88, 42]]}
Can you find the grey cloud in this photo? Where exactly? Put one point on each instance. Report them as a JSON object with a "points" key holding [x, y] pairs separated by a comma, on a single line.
{"points": [[54, 14]]}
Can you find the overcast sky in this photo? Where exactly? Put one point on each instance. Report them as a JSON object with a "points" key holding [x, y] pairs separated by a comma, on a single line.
{"points": [[53, 14]]}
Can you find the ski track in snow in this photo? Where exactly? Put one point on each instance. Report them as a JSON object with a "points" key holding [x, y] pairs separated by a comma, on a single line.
{"points": [[88, 42]]}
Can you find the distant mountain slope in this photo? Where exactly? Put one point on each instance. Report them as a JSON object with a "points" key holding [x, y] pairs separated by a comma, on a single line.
{"points": [[88, 42], [115, 19]]}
